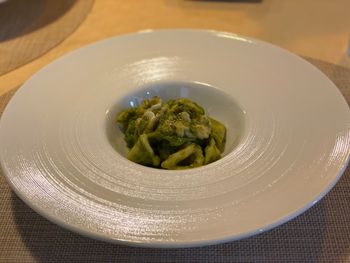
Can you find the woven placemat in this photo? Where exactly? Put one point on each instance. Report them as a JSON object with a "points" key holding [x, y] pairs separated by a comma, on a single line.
{"points": [[322, 234], [28, 29]]}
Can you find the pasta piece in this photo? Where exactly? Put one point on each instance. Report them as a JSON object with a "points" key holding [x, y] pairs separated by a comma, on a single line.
{"points": [[219, 134], [125, 116], [131, 134], [211, 152], [191, 156], [143, 153]]}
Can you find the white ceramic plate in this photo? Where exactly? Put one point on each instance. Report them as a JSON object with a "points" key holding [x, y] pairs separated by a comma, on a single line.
{"points": [[288, 139]]}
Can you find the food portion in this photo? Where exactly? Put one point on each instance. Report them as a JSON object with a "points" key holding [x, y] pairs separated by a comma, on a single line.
{"points": [[172, 135]]}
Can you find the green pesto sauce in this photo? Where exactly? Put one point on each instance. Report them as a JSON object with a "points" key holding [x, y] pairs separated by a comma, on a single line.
{"points": [[172, 135]]}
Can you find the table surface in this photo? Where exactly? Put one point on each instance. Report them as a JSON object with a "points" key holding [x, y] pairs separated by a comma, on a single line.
{"points": [[317, 29]]}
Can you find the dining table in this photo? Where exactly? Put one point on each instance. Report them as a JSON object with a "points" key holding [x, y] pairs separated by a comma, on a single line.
{"points": [[36, 33]]}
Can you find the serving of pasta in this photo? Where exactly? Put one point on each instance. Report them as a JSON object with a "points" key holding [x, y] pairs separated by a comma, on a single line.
{"points": [[176, 134]]}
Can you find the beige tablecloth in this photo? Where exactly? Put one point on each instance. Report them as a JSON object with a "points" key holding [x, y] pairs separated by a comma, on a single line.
{"points": [[29, 29], [322, 234]]}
